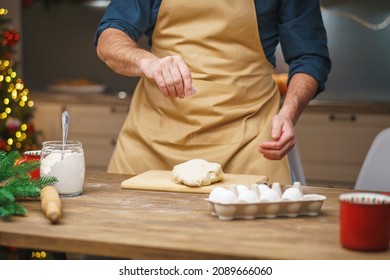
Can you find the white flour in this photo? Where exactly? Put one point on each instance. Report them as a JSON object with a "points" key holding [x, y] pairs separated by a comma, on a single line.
{"points": [[70, 171]]}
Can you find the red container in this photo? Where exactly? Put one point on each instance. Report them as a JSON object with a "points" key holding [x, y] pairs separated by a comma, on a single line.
{"points": [[31, 155], [365, 221]]}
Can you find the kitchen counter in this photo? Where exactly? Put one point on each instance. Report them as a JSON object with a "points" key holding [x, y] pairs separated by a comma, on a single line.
{"points": [[106, 220], [317, 105], [345, 106]]}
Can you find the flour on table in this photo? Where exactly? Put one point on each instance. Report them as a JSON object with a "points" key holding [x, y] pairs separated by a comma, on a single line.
{"points": [[197, 172]]}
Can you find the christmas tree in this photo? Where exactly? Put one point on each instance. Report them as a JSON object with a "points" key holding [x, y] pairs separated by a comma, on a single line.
{"points": [[16, 109], [16, 135]]}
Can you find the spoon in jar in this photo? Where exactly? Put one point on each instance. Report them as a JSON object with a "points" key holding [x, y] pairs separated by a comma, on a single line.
{"points": [[65, 128]]}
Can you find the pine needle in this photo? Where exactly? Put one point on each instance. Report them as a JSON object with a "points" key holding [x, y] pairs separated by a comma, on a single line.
{"points": [[16, 183]]}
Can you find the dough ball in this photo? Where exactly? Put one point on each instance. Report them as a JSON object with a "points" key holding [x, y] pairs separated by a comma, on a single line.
{"points": [[197, 172]]}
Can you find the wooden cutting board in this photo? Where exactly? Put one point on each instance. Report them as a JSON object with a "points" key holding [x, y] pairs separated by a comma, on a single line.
{"points": [[160, 180]]}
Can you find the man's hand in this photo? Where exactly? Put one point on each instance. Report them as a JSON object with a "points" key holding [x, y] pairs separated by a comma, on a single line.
{"points": [[124, 56], [301, 89], [170, 74], [283, 139]]}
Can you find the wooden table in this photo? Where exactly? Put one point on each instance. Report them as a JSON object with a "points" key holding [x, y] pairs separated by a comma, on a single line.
{"points": [[109, 221]]}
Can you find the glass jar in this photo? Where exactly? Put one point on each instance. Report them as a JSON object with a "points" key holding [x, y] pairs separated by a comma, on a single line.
{"points": [[66, 163]]}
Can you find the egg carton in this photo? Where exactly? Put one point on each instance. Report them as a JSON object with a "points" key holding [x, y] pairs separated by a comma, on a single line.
{"points": [[285, 204], [310, 205]]}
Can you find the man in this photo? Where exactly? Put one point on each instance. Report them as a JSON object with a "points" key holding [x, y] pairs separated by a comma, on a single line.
{"points": [[206, 88]]}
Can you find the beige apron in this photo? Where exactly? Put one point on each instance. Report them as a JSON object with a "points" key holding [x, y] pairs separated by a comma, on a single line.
{"points": [[230, 113]]}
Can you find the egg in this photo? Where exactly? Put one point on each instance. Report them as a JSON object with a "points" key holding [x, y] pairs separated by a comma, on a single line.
{"points": [[227, 197], [298, 186], [247, 197], [255, 189], [292, 194], [269, 195], [241, 188], [262, 188], [233, 187], [215, 194], [277, 189]]}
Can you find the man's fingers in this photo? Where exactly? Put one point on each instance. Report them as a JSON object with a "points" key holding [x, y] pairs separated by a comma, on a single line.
{"points": [[169, 82], [171, 75], [160, 82], [187, 79], [177, 82], [277, 124], [274, 154]]}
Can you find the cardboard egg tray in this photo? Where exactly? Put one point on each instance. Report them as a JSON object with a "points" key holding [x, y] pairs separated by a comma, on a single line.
{"points": [[309, 205]]}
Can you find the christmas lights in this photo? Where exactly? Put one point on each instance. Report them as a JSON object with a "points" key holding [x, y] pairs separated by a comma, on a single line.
{"points": [[16, 109]]}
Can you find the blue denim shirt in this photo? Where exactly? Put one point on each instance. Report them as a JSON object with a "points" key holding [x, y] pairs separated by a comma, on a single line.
{"points": [[296, 24]]}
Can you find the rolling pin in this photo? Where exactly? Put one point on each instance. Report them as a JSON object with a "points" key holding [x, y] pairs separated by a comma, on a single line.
{"points": [[51, 204]]}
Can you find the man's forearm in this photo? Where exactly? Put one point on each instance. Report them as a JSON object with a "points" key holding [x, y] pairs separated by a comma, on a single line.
{"points": [[301, 90], [121, 53]]}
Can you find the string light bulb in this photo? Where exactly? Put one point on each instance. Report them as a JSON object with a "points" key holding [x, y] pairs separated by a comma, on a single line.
{"points": [[3, 11], [16, 131]]}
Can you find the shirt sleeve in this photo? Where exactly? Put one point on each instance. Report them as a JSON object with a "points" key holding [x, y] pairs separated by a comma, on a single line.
{"points": [[134, 17], [303, 39]]}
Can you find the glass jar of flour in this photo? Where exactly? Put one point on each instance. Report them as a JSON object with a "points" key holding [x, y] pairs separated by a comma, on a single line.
{"points": [[66, 163]]}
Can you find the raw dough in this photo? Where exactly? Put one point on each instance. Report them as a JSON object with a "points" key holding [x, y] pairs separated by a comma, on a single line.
{"points": [[197, 172]]}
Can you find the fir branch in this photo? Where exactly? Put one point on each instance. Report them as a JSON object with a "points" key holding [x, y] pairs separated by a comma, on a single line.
{"points": [[9, 169], [3, 155], [25, 167], [33, 188], [7, 163], [11, 209], [44, 181], [19, 210], [6, 196], [21, 186], [16, 184], [6, 210]]}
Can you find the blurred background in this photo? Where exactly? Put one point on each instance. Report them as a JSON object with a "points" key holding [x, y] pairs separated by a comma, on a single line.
{"points": [[334, 133], [58, 44]]}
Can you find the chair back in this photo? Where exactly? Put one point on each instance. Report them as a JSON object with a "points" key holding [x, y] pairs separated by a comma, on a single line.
{"points": [[375, 171], [294, 159]]}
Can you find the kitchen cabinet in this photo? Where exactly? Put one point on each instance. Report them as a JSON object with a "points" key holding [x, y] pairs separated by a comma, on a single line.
{"points": [[47, 120], [97, 127], [333, 142], [95, 120]]}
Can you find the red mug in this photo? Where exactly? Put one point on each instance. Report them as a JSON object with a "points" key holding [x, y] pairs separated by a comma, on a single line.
{"points": [[32, 156], [365, 221]]}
